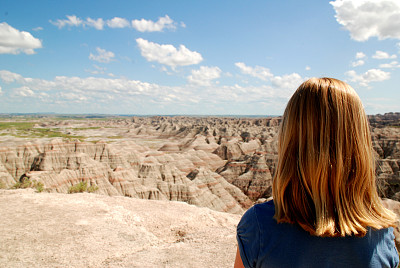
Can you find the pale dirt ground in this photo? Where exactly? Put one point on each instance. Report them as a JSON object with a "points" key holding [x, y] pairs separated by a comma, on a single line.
{"points": [[89, 230]]}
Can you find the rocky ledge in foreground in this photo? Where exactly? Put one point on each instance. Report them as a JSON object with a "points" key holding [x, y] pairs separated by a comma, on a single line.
{"points": [[90, 230]]}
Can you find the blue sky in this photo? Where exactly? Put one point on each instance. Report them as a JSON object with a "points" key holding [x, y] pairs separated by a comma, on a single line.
{"points": [[193, 57]]}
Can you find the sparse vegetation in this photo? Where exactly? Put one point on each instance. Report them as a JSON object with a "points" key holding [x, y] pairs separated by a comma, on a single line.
{"points": [[82, 187], [27, 130], [115, 137], [2, 185], [92, 188], [54, 133], [26, 182], [85, 128], [78, 188], [17, 125], [39, 187]]}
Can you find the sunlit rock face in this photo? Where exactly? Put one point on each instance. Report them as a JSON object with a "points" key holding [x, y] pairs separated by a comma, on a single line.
{"points": [[385, 131], [130, 172], [222, 163]]}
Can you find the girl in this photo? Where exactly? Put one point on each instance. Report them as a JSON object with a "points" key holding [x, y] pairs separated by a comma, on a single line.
{"points": [[325, 210]]}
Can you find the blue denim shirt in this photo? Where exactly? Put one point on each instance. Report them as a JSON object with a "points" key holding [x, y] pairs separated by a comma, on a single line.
{"points": [[265, 243]]}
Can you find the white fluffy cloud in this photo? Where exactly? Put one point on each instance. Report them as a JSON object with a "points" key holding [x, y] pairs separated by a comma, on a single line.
{"points": [[13, 41], [69, 96], [381, 55], [391, 65], [360, 55], [130, 95], [23, 92], [74, 21], [168, 54], [63, 90], [9, 77], [118, 23], [357, 63], [77, 84], [33, 83], [151, 26], [204, 75], [142, 25], [70, 21], [369, 18], [102, 55], [258, 71], [372, 75], [275, 93], [287, 82], [97, 24]]}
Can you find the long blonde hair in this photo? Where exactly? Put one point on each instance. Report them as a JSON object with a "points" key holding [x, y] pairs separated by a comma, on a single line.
{"points": [[325, 178]]}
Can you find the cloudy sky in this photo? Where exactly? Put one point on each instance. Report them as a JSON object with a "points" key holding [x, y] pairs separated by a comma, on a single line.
{"points": [[193, 57]]}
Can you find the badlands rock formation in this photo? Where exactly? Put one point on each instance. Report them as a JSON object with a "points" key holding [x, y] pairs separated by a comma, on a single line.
{"points": [[386, 141], [125, 169], [222, 163]]}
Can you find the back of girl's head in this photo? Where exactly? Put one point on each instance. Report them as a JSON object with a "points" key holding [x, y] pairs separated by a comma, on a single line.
{"points": [[325, 178]]}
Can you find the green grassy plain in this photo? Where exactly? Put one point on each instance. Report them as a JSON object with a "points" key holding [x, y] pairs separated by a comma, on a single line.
{"points": [[26, 129]]}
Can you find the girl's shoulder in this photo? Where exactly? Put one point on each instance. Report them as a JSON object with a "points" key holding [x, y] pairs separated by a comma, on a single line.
{"points": [[260, 214]]}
